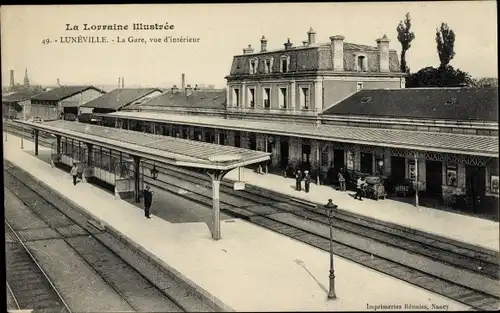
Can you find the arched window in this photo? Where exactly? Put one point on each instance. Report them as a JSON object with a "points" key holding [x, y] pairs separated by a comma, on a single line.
{"points": [[361, 63], [254, 64], [285, 64]]}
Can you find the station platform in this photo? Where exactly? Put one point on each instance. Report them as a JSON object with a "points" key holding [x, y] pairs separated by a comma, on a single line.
{"points": [[468, 229], [249, 269]]}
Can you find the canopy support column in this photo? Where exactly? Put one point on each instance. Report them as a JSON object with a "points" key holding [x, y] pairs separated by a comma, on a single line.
{"points": [[89, 166], [137, 177], [36, 141], [216, 176]]}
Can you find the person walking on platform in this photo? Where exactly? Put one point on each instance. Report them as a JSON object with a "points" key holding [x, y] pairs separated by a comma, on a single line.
{"points": [[74, 173], [298, 180], [360, 184], [148, 199], [341, 180], [307, 180]]}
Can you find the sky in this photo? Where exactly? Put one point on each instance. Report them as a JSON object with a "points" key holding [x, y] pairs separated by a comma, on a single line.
{"points": [[223, 31]]}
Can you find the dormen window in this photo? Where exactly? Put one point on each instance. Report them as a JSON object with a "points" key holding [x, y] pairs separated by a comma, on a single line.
{"points": [[236, 97], [251, 97], [268, 65], [253, 66], [362, 63], [285, 62], [283, 98], [267, 98], [304, 98]]}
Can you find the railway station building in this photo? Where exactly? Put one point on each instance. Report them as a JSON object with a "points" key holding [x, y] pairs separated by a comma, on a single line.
{"points": [[57, 102], [337, 105]]}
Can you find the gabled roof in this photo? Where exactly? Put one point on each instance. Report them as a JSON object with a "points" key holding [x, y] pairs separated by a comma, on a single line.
{"points": [[19, 95], [119, 98], [457, 104], [63, 92], [203, 99]]}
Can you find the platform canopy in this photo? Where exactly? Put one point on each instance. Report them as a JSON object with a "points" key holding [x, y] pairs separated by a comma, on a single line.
{"points": [[393, 138], [163, 149]]}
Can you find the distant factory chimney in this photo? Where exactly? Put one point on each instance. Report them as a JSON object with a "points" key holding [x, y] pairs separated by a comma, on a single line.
{"points": [[58, 83], [183, 81], [119, 82], [12, 83], [26, 78], [123, 82]]}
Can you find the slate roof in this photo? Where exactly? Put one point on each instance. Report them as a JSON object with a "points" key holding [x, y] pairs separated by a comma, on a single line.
{"points": [[457, 104], [202, 99], [62, 93], [406, 139], [314, 58], [19, 95], [118, 98]]}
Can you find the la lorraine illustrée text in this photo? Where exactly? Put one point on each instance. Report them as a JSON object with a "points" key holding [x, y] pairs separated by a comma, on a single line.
{"points": [[135, 26]]}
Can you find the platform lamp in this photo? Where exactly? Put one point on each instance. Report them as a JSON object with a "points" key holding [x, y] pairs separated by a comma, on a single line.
{"points": [[154, 172], [329, 208]]}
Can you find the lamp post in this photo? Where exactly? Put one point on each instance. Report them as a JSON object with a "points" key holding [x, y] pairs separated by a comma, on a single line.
{"points": [[329, 207], [22, 133]]}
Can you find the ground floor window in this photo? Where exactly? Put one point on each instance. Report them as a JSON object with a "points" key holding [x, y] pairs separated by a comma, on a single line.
{"points": [[350, 160]]}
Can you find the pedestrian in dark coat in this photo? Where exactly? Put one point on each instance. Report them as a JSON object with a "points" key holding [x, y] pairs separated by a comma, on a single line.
{"points": [[298, 180], [307, 180], [148, 199]]}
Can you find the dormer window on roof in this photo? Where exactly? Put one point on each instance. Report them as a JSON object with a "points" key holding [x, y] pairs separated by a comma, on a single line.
{"points": [[284, 64], [268, 65], [361, 63], [254, 63]]}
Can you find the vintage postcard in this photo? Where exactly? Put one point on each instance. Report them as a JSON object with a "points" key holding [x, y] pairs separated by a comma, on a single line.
{"points": [[251, 157]]}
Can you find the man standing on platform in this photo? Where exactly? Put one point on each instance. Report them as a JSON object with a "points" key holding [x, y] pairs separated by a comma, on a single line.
{"points": [[341, 180], [307, 180], [74, 173], [148, 199], [298, 180], [360, 184]]}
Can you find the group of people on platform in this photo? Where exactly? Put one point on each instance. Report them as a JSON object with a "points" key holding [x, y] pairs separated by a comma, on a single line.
{"points": [[302, 177]]}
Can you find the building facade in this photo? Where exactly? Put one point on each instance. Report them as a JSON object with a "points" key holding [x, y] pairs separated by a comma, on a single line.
{"points": [[340, 106]]}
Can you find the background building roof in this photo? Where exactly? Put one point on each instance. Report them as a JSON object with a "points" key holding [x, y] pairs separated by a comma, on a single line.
{"points": [[204, 99], [458, 104], [19, 95], [119, 98], [62, 93]]}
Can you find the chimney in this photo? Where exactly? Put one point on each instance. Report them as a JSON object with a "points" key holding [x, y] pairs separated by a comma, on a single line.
{"points": [[196, 87], [337, 48], [123, 82], [263, 44], [119, 82], [12, 83], [174, 89], [311, 36], [383, 54], [305, 43], [183, 81], [288, 44], [189, 90], [58, 83], [248, 50]]}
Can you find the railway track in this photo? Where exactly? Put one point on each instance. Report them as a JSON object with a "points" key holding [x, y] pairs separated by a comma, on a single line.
{"points": [[470, 271], [28, 285], [136, 291]]}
